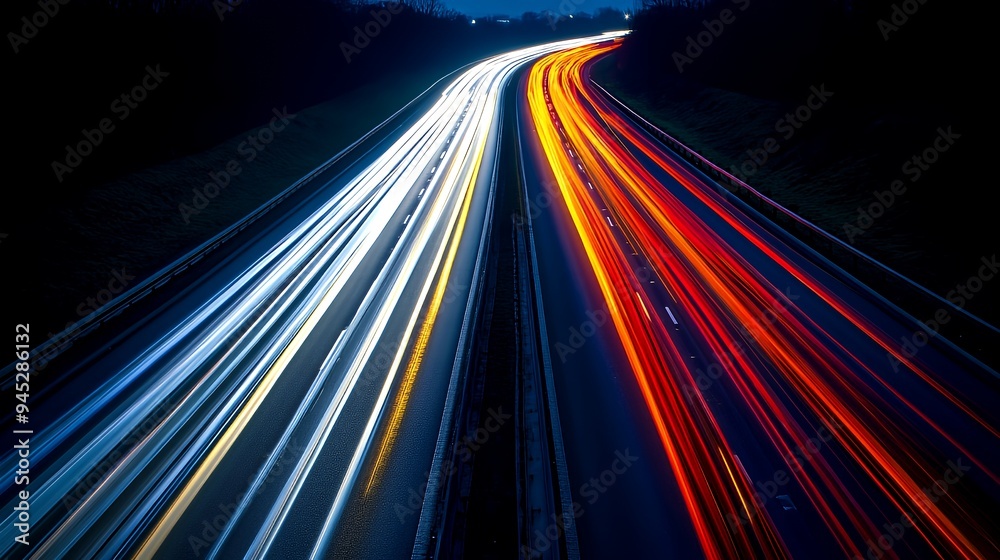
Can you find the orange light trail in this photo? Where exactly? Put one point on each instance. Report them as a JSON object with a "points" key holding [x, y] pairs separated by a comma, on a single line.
{"points": [[595, 170], [689, 433]]}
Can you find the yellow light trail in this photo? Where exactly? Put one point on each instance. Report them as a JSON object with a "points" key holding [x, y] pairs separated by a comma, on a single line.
{"points": [[420, 345], [724, 291], [687, 432], [228, 438]]}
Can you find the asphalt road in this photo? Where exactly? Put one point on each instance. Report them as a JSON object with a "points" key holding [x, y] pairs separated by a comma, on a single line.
{"points": [[723, 392], [285, 399], [770, 402]]}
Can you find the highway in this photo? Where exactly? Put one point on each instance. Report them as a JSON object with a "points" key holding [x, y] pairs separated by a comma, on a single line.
{"points": [[723, 391], [764, 400], [285, 401]]}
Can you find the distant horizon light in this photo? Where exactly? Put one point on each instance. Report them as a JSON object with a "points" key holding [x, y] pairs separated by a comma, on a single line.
{"points": [[514, 8]]}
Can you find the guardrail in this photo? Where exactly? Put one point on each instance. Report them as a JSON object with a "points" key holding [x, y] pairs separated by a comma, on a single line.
{"points": [[54, 346], [437, 494], [979, 337]]}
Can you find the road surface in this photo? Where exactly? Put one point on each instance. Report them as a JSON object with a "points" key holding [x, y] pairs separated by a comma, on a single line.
{"points": [[286, 402], [768, 405]]}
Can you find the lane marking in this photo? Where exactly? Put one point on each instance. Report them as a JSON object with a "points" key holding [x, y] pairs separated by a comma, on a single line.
{"points": [[671, 314]]}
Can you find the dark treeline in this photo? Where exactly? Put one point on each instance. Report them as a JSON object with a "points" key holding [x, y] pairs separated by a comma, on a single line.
{"points": [[899, 59], [892, 49], [228, 66], [901, 71]]}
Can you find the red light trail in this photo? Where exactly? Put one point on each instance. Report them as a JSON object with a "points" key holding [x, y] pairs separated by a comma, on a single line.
{"points": [[793, 371]]}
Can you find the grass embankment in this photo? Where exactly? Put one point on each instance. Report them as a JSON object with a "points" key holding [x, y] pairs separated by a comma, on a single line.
{"points": [[832, 166], [134, 223]]}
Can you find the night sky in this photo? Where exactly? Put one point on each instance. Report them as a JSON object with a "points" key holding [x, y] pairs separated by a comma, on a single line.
{"points": [[476, 8]]}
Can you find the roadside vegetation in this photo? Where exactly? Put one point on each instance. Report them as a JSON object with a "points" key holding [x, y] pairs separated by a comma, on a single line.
{"points": [[887, 157], [129, 113]]}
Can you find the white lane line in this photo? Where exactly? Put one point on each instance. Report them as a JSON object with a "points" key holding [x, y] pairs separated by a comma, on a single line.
{"points": [[421, 193], [407, 219], [609, 221], [333, 351], [672, 318]]}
